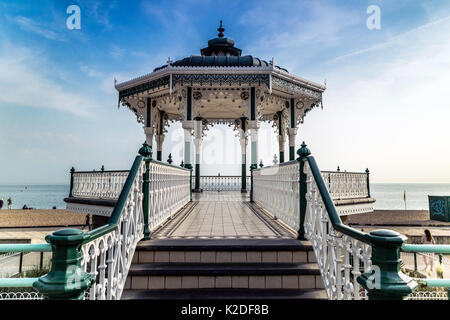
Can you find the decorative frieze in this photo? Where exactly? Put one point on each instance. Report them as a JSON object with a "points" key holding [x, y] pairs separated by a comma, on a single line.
{"points": [[220, 79]]}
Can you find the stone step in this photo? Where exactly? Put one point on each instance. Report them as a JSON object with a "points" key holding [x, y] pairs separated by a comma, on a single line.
{"points": [[224, 294], [224, 245], [224, 251], [244, 275]]}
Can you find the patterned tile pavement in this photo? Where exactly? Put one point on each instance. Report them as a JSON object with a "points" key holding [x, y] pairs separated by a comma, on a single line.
{"points": [[222, 215]]}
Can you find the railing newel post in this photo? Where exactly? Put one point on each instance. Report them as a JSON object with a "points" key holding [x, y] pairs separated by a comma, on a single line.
{"points": [[386, 281], [146, 152], [303, 153], [20, 262], [189, 167], [72, 170], [415, 262], [252, 167], [66, 279], [367, 181]]}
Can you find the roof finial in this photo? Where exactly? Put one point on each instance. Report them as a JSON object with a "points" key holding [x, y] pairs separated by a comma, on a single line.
{"points": [[221, 30]]}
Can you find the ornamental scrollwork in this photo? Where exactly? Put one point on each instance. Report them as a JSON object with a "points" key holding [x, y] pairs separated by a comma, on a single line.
{"points": [[146, 86], [295, 88], [221, 79], [197, 95]]}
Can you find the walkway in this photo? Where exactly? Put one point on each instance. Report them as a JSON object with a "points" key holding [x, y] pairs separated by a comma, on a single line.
{"points": [[222, 215]]}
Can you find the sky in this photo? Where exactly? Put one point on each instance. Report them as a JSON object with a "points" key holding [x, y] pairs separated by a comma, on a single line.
{"points": [[385, 106]]}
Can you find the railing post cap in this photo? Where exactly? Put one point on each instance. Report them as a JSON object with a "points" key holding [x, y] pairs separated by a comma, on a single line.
{"points": [[386, 237], [68, 232], [367, 170], [253, 166], [67, 236], [66, 279], [303, 151], [145, 150], [72, 169]]}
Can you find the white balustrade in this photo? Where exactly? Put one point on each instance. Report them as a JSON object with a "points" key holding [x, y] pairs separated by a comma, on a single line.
{"points": [[169, 192], [221, 183], [346, 185], [21, 295], [341, 258], [276, 189], [105, 185], [428, 295], [108, 258]]}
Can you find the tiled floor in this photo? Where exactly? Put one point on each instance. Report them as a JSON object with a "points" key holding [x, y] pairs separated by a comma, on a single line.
{"points": [[223, 215]]}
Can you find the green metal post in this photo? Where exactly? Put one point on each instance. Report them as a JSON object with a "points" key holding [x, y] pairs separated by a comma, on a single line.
{"points": [[291, 153], [66, 279], [146, 151], [243, 175], [281, 156], [252, 167], [197, 176], [367, 181], [386, 281], [303, 152], [415, 261], [72, 170], [41, 260], [189, 166], [20, 262]]}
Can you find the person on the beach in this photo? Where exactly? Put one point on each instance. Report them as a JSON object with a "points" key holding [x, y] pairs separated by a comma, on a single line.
{"points": [[427, 238], [9, 203], [88, 223], [1, 203]]}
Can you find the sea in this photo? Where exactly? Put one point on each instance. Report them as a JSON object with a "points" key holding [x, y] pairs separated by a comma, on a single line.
{"points": [[389, 196]]}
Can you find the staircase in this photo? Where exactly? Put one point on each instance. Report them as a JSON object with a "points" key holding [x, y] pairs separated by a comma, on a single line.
{"points": [[224, 269]]}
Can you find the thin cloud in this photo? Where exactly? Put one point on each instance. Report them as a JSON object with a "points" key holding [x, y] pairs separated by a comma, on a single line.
{"points": [[25, 79], [391, 41], [26, 24]]}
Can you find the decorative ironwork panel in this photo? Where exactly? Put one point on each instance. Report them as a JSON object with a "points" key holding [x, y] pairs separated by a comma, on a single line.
{"points": [[341, 258], [221, 183], [108, 258], [169, 192], [105, 185], [346, 185], [29, 295], [276, 189]]}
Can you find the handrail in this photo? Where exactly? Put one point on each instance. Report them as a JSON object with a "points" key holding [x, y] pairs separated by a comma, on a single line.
{"points": [[100, 172], [27, 247], [329, 205], [17, 282], [430, 248], [276, 165], [353, 264], [117, 211], [223, 176], [168, 164]]}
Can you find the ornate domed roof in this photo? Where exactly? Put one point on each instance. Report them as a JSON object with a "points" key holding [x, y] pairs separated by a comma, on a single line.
{"points": [[220, 52]]}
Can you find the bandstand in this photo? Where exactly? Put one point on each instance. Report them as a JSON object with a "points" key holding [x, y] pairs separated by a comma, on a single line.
{"points": [[221, 86], [285, 239]]}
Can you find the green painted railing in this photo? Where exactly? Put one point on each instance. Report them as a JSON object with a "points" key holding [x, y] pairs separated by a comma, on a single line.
{"points": [[386, 245], [19, 247], [17, 282], [23, 248]]}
